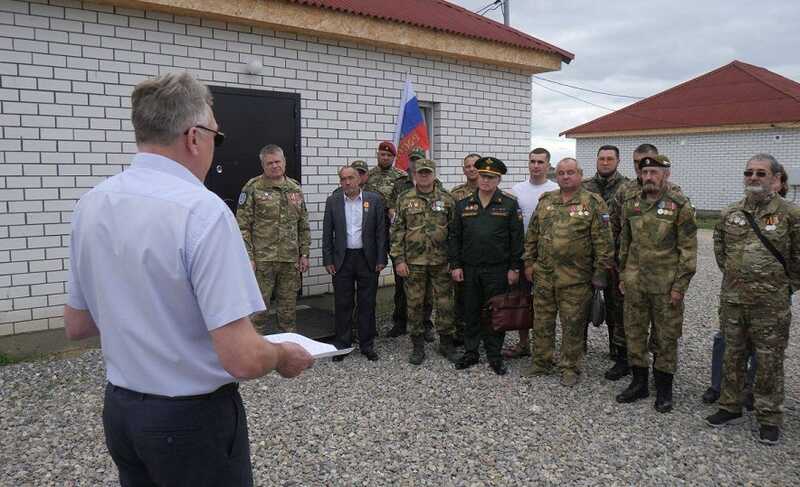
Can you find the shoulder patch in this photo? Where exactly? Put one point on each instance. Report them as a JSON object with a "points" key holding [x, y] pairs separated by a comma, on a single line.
{"points": [[509, 195], [242, 198]]}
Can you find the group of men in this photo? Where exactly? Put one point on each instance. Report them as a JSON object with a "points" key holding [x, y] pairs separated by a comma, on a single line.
{"points": [[174, 318]]}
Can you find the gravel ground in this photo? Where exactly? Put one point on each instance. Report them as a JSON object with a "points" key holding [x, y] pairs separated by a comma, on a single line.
{"points": [[387, 422]]}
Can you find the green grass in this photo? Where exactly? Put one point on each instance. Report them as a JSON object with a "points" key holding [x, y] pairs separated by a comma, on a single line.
{"points": [[6, 360], [707, 222]]}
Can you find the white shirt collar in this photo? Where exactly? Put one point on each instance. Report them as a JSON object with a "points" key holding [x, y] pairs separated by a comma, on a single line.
{"points": [[357, 198], [156, 162]]}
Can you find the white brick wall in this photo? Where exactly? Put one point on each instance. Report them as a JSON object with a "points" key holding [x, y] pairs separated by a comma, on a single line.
{"points": [[708, 167], [67, 69]]}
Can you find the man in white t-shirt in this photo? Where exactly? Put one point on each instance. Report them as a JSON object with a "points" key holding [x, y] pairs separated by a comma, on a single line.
{"points": [[528, 193]]}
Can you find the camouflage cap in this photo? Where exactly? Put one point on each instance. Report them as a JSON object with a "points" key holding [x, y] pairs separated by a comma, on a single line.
{"points": [[425, 165], [490, 165], [655, 161], [360, 166], [417, 153]]}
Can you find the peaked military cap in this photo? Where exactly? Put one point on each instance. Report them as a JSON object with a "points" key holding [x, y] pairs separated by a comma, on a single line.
{"points": [[490, 165], [425, 165], [360, 166], [417, 153], [655, 161]]}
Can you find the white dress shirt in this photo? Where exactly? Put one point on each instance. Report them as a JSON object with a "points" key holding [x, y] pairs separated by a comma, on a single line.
{"points": [[158, 261], [354, 214]]}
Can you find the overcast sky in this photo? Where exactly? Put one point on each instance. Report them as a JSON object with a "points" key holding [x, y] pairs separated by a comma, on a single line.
{"points": [[640, 48]]}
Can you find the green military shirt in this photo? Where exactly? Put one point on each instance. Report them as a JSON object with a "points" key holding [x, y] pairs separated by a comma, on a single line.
{"points": [[420, 228], [658, 243], [486, 236], [273, 220], [463, 190], [606, 187], [382, 181], [750, 273], [569, 242], [403, 185], [628, 188]]}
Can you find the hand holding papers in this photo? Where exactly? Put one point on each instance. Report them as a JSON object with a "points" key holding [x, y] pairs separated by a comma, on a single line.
{"points": [[317, 349]]}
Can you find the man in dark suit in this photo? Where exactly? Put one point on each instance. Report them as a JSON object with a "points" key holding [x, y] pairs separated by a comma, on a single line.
{"points": [[354, 253]]}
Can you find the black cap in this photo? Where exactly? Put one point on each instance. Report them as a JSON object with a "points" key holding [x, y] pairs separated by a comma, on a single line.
{"points": [[490, 165]]}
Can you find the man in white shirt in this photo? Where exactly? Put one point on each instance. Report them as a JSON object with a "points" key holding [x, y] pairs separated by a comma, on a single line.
{"points": [[159, 270], [354, 254], [528, 193]]}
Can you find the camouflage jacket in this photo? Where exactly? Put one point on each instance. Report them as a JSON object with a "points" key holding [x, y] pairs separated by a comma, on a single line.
{"points": [[462, 191], [605, 187], [403, 185], [629, 188], [486, 236], [382, 182], [750, 273], [273, 220], [658, 243], [569, 243], [420, 228]]}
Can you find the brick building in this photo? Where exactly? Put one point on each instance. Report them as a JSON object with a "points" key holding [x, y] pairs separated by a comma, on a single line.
{"points": [[709, 127], [67, 69]]}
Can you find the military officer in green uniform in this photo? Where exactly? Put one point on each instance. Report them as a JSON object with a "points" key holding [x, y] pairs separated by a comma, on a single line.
{"points": [[658, 257], [607, 182], [567, 255], [363, 172], [755, 301], [382, 180], [273, 220], [486, 255], [419, 252], [459, 193]]}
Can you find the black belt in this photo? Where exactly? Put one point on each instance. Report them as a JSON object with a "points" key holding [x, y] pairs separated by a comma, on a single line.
{"points": [[225, 390], [355, 250]]}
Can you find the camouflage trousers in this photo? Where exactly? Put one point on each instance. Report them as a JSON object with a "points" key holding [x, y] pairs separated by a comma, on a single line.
{"points": [[284, 279], [765, 330], [571, 304], [423, 280], [652, 324]]}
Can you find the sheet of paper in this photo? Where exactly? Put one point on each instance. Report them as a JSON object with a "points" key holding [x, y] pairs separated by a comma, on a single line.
{"points": [[315, 348]]}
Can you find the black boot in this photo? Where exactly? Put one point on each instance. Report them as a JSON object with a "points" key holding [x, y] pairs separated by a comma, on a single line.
{"points": [[663, 382], [467, 360], [398, 329], [638, 388], [447, 348], [418, 354], [620, 368], [428, 334]]}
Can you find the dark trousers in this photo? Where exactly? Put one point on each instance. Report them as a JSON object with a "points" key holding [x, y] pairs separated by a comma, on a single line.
{"points": [[480, 284], [400, 313], [355, 279], [717, 353], [158, 441]]}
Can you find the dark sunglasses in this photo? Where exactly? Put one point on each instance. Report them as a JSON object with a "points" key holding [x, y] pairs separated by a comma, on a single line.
{"points": [[219, 137], [748, 173]]}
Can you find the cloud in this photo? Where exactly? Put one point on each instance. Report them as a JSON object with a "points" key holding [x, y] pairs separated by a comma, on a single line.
{"points": [[641, 48]]}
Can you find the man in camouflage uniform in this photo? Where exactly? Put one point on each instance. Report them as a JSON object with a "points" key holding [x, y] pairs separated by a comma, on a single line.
{"points": [[755, 301], [567, 255], [486, 255], [459, 193], [400, 187], [363, 172], [419, 252], [471, 185], [273, 220], [607, 182], [382, 180], [658, 257]]}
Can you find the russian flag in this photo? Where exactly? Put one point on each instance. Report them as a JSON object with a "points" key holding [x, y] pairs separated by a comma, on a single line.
{"points": [[411, 132]]}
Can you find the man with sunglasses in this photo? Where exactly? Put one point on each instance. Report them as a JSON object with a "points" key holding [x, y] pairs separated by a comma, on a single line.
{"points": [[757, 247], [273, 220], [170, 297], [657, 260]]}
